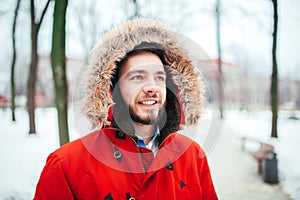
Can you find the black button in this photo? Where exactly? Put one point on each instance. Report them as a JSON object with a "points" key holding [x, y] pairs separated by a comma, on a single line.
{"points": [[120, 135], [182, 184], [108, 197], [117, 154], [170, 166]]}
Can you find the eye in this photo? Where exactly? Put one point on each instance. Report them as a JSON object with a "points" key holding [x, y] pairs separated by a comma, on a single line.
{"points": [[160, 78], [137, 78]]}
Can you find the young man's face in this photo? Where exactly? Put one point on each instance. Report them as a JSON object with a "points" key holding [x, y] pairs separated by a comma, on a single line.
{"points": [[143, 87]]}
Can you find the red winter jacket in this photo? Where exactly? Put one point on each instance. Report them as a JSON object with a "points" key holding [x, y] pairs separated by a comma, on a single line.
{"points": [[108, 164]]}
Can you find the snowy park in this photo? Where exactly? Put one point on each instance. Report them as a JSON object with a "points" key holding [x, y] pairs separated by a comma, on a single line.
{"points": [[245, 54], [23, 156]]}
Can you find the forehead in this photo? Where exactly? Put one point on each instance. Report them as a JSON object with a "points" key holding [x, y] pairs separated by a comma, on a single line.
{"points": [[146, 61]]}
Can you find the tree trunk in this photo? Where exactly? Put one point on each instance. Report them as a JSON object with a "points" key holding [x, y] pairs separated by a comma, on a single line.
{"points": [[12, 75], [58, 59], [219, 63], [32, 71], [274, 77], [33, 64], [136, 8]]}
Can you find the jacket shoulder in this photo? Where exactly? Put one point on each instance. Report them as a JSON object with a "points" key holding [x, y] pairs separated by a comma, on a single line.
{"points": [[183, 143], [76, 147], [187, 140]]}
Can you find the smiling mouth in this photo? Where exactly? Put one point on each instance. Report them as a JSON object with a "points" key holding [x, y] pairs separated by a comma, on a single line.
{"points": [[148, 102]]}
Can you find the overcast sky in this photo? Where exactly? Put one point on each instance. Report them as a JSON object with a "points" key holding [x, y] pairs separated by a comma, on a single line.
{"points": [[246, 29]]}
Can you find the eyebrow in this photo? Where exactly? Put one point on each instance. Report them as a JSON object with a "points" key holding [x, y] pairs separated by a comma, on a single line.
{"points": [[141, 71]]}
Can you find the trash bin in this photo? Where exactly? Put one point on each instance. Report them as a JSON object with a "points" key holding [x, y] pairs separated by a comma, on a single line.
{"points": [[270, 172]]}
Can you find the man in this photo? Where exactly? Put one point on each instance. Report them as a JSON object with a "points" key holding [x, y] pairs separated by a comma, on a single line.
{"points": [[140, 89]]}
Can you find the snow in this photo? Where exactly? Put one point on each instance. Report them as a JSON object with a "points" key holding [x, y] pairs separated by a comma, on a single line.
{"points": [[257, 125], [23, 156]]}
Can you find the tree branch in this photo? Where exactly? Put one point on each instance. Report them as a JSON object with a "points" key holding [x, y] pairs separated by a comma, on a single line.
{"points": [[43, 15]]}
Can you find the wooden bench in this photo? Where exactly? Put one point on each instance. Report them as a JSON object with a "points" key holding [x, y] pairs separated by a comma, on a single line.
{"points": [[265, 152]]}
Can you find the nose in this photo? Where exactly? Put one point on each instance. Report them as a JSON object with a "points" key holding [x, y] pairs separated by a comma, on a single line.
{"points": [[151, 88]]}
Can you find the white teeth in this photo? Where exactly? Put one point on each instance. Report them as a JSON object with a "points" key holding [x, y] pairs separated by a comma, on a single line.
{"points": [[148, 102]]}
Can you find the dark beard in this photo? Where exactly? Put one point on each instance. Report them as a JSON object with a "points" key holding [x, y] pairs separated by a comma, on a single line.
{"points": [[149, 120]]}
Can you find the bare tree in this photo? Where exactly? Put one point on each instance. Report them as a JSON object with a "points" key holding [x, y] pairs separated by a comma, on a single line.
{"points": [[219, 50], [136, 8], [58, 58], [86, 12], [12, 75], [274, 77], [35, 27]]}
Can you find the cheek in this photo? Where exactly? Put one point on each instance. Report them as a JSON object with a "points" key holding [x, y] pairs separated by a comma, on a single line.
{"points": [[127, 92], [163, 95]]}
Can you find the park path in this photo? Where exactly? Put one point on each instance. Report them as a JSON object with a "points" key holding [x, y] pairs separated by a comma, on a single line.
{"points": [[235, 174]]}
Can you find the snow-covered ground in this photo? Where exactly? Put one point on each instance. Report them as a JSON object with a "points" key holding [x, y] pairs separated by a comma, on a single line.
{"points": [[258, 125], [23, 156]]}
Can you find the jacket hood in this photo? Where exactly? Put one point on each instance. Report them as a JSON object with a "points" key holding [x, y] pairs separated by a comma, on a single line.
{"points": [[97, 98]]}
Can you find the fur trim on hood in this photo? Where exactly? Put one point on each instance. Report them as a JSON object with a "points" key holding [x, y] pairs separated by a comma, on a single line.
{"points": [[115, 44]]}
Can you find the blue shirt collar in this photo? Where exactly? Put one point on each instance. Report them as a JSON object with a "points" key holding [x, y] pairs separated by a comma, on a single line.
{"points": [[141, 142]]}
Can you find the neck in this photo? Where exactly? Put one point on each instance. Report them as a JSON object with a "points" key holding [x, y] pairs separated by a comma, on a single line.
{"points": [[144, 131]]}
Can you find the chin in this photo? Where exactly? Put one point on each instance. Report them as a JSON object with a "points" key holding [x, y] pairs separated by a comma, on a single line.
{"points": [[145, 118]]}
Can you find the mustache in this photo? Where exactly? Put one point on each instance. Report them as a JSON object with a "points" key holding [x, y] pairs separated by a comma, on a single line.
{"points": [[149, 96]]}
